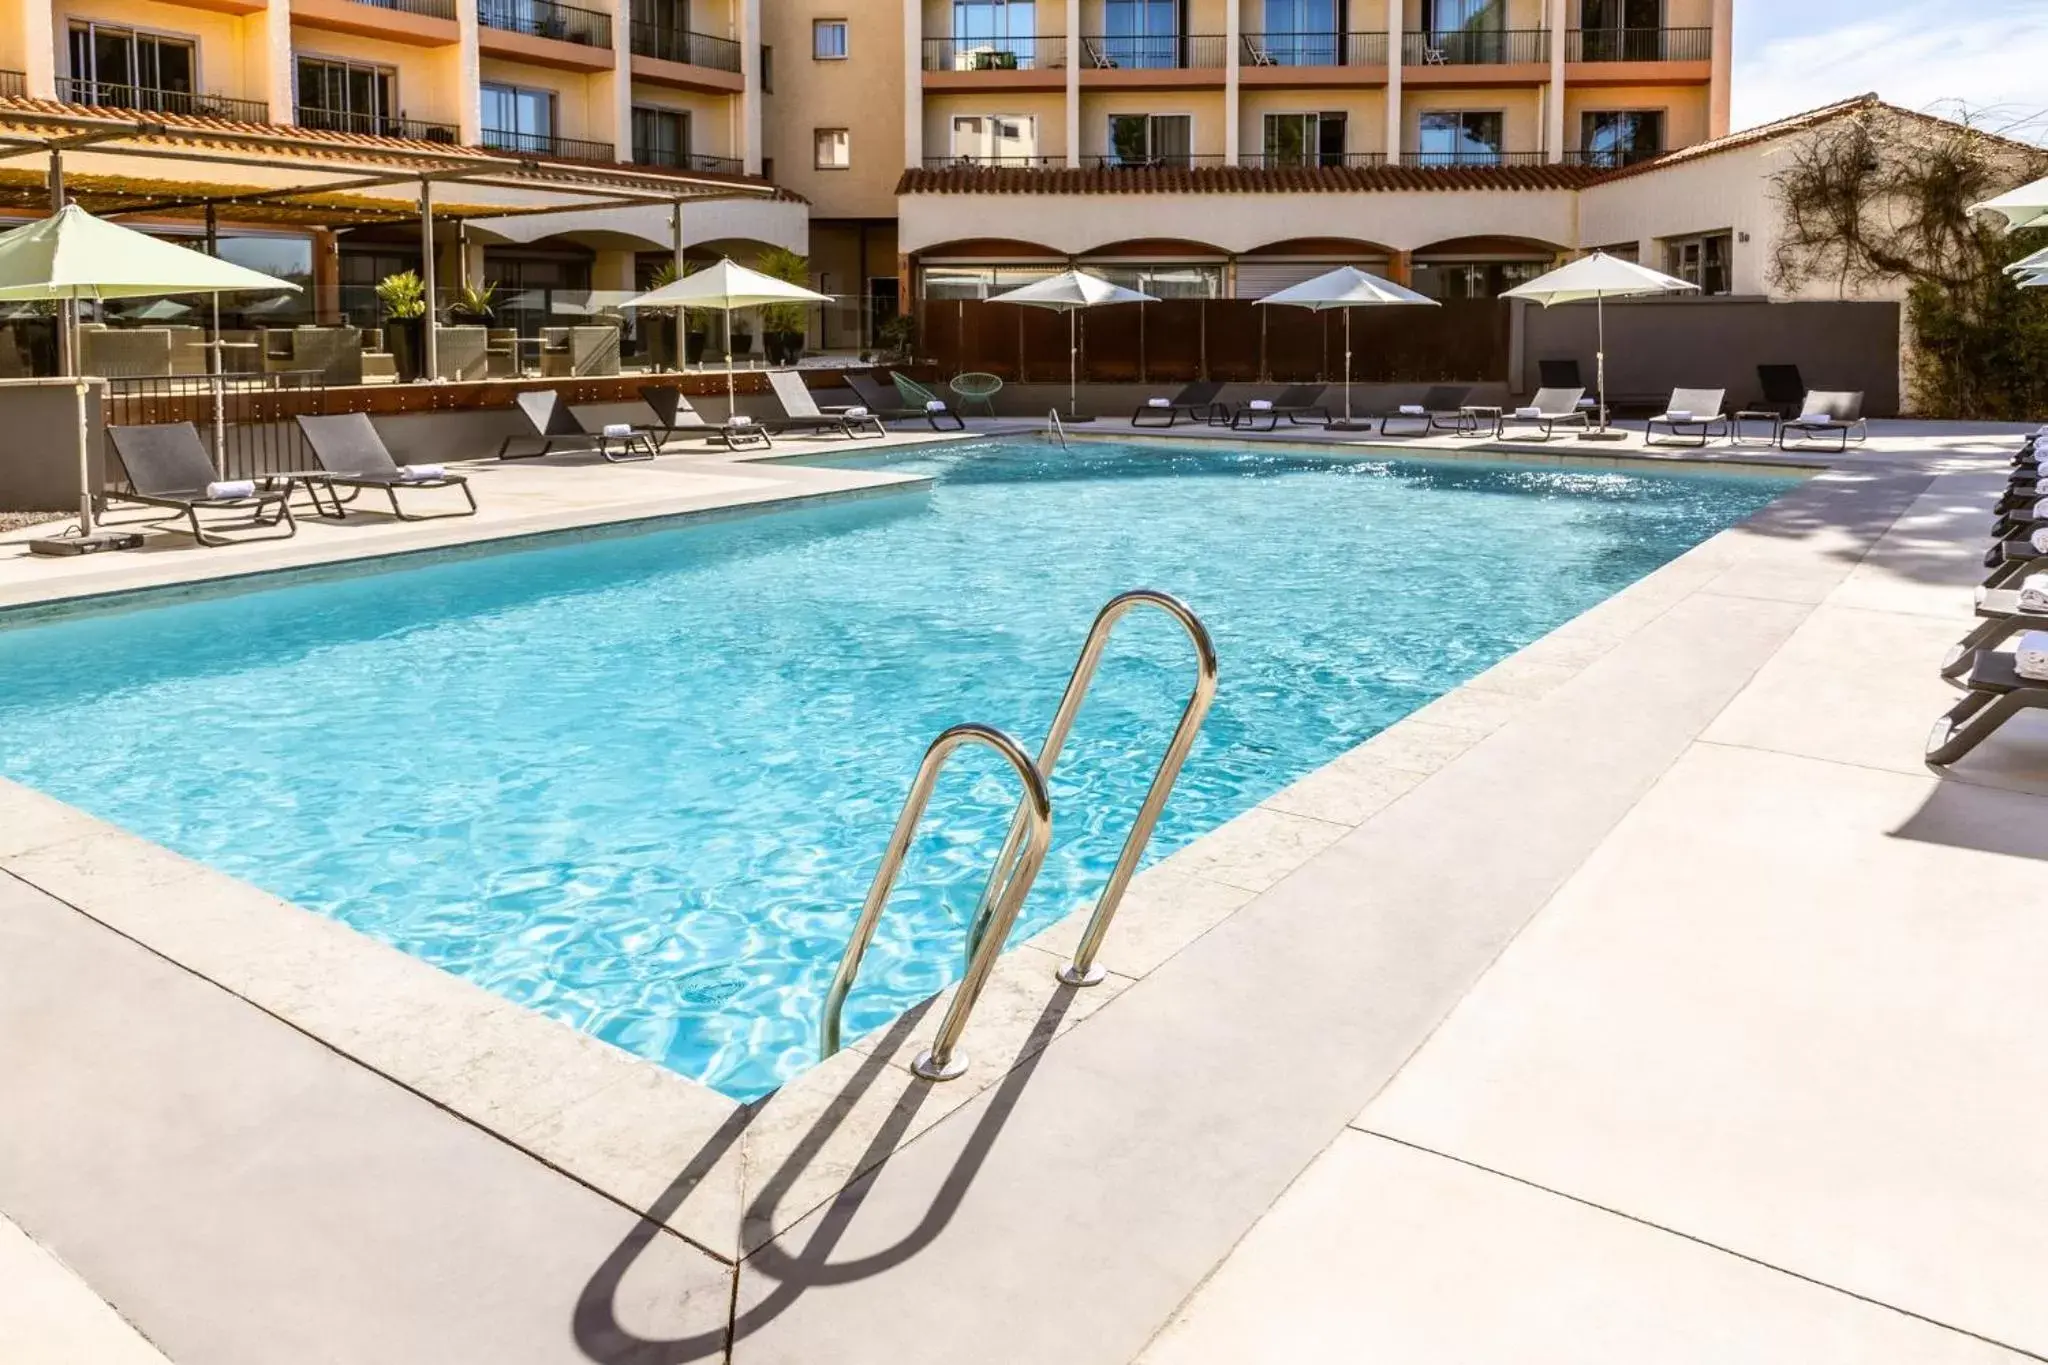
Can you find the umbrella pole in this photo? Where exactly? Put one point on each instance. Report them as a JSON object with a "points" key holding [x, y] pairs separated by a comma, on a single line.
{"points": [[1073, 367], [1600, 354], [84, 463], [1347, 367], [213, 369]]}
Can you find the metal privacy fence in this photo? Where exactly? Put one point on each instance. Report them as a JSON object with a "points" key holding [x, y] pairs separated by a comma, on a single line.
{"points": [[257, 433], [1223, 340]]}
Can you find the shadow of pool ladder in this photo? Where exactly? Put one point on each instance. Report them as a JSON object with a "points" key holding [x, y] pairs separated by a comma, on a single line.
{"points": [[1024, 847]]}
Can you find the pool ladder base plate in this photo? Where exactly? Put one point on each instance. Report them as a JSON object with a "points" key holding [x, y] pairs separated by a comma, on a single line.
{"points": [[1091, 975], [954, 1067]]}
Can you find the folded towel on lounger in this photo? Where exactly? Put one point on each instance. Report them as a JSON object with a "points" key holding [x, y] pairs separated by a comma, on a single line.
{"points": [[2039, 540], [226, 489], [856, 412], [1260, 405], [2034, 592], [1158, 402], [935, 405], [739, 419], [2032, 656], [1414, 410], [1529, 413], [619, 429], [420, 473], [1678, 415]]}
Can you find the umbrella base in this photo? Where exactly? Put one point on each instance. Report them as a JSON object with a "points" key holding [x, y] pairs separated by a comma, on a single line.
{"points": [[86, 545], [1072, 417], [1601, 436], [1341, 425]]}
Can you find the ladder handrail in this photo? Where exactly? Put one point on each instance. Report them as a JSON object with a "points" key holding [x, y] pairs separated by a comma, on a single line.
{"points": [[1009, 881], [1082, 971], [1055, 427]]}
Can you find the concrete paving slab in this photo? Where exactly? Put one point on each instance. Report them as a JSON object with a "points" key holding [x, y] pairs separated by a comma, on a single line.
{"points": [[49, 1317], [1381, 1252]]}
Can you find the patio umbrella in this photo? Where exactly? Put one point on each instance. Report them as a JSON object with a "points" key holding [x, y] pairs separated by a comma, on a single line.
{"points": [[1598, 277], [1069, 293], [724, 287], [72, 255], [163, 310], [1347, 287], [2024, 207]]}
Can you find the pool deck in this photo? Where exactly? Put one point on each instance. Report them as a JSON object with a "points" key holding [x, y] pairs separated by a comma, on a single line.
{"points": [[1645, 998]]}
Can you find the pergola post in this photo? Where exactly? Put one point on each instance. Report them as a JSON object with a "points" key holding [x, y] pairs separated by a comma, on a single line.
{"points": [[429, 366]]}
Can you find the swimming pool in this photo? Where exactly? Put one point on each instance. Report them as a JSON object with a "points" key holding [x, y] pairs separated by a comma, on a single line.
{"points": [[641, 782]]}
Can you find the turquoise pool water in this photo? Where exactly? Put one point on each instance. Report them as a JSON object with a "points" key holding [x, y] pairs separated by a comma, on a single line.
{"points": [[641, 782]]}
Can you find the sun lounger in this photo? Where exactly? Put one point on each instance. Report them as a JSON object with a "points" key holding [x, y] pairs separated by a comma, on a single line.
{"points": [[1693, 416], [1994, 693], [888, 404], [352, 455], [1549, 409], [672, 411], [1999, 618], [553, 424], [1826, 414], [167, 467], [1198, 401], [800, 411], [1298, 404], [1783, 389], [1439, 410]]}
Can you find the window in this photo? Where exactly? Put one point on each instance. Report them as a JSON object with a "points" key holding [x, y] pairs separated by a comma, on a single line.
{"points": [[1305, 139], [1621, 30], [1302, 32], [351, 97], [1168, 281], [1703, 260], [767, 69], [833, 148], [828, 40], [1010, 139], [1149, 139], [1467, 30], [517, 119], [768, 168], [995, 35], [1473, 279], [1620, 137], [1142, 33], [1451, 138], [661, 137], [129, 69]]}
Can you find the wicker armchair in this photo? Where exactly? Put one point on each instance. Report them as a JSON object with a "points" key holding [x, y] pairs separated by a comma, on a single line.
{"points": [[578, 351]]}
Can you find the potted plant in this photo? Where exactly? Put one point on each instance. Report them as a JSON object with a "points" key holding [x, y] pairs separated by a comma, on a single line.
{"points": [[739, 335], [898, 338], [472, 306], [404, 300], [783, 324], [696, 334]]}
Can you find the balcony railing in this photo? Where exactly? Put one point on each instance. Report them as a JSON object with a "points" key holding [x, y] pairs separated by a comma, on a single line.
{"points": [[374, 125], [432, 9], [1171, 161], [1611, 158], [1640, 45], [1473, 157], [547, 19], [13, 84], [1310, 161], [1154, 52], [1477, 47], [149, 99], [994, 54], [672, 44], [994, 163], [1314, 49], [545, 144], [671, 160]]}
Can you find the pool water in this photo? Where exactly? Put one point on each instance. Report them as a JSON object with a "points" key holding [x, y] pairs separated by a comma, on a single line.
{"points": [[641, 782]]}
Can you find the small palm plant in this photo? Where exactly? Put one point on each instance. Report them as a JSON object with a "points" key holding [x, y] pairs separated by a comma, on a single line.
{"points": [[403, 295]]}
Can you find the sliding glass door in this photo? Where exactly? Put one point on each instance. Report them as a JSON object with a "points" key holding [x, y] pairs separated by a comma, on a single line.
{"points": [[1468, 31], [1142, 33], [1621, 30], [1303, 32]]}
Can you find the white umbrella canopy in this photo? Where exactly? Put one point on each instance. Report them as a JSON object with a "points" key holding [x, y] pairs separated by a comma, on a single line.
{"points": [[2024, 207], [1069, 292], [725, 287], [2029, 265], [1347, 287], [1598, 277]]}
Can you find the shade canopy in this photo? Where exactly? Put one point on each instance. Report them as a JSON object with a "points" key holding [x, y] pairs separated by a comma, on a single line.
{"points": [[2024, 207], [1347, 287], [1598, 276], [725, 287], [73, 255], [1070, 290]]}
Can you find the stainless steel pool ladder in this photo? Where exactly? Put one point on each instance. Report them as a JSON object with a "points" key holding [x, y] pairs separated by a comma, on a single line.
{"points": [[1054, 427], [1023, 852]]}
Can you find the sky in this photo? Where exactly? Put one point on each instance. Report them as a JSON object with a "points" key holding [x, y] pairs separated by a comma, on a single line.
{"points": [[1793, 55]]}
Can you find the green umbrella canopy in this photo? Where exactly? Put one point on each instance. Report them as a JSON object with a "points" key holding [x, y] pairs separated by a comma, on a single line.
{"points": [[73, 255]]}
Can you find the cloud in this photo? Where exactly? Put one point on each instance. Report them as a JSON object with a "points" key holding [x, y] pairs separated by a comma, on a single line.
{"points": [[1988, 61]]}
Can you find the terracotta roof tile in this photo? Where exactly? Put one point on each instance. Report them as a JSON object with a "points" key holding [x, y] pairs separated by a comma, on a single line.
{"points": [[1749, 137], [1240, 179]]}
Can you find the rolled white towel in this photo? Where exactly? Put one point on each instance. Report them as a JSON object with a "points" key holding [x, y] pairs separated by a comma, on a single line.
{"points": [[856, 412], [2039, 540], [1678, 415], [2034, 592], [1414, 410], [739, 419], [935, 405], [2032, 656], [1531, 413], [1260, 405], [619, 429], [420, 473], [1158, 402], [225, 489]]}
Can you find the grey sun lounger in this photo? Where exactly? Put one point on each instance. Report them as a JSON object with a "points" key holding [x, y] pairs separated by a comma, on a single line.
{"points": [[1197, 401], [167, 467], [1692, 417], [672, 412], [1553, 408], [1826, 414], [352, 455], [1438, 404], [888, 403], [553, 424], [1994, 692], [800, 411], [1299, 403], [1999, 619]]}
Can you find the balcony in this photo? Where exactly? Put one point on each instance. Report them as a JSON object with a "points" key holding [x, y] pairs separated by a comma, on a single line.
{"points": [[1153, 52], [13, 84], [1472, 157], [994, 163], [667, 43], [1477, 47], [374, 125], [1297, 161], [149, 99], [548, 145], [995, 54], [547, 19], [1611, 158], [1171, 161], [427, 9], [670, 160], [1263, 51], [1640, 45], [418, 23]]}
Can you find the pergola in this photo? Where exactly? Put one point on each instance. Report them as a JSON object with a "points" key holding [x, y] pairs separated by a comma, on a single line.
{"points": [[307, 178]]}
